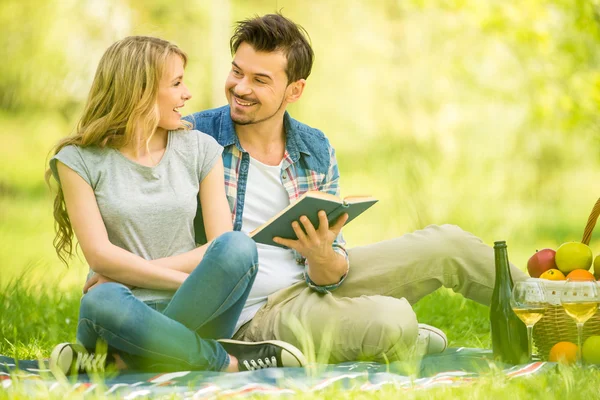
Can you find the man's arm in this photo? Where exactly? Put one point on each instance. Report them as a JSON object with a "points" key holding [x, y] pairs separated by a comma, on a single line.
{"points": [[326, 258], [325, 267]]}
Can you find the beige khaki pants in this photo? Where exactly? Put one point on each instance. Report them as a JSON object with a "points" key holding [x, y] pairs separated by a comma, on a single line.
{"points": [[369, 316]]}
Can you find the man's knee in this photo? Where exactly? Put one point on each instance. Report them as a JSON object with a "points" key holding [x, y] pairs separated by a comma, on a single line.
{"points": [[450, 235], [451, 242]]}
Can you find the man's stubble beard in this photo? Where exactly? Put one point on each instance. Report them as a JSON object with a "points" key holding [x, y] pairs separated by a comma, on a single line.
{"points": [[250, 121]]}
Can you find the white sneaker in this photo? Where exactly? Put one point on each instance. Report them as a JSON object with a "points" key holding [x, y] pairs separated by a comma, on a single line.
{"points": [[73, 358], [437, 338]]}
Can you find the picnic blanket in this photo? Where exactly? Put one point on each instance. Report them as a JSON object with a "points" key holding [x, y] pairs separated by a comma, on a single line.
{"points": [[456, 366]]}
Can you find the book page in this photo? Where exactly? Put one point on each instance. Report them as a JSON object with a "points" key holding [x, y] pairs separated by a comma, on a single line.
{"points": [[357, 199]]}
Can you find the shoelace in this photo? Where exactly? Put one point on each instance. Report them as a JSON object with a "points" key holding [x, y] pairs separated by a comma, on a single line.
{"points": [[259, 364], [90, 362]]}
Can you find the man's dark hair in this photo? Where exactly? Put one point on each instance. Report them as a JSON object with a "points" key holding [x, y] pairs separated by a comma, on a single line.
{"points": [[274, 32]]}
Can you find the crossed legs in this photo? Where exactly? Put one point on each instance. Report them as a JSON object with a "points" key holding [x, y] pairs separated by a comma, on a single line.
{"points": [[206, 307]]}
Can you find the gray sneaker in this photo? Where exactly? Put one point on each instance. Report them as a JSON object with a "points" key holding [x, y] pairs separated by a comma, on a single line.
{"points": [[437, 338], [267, 354], [73, 358]]}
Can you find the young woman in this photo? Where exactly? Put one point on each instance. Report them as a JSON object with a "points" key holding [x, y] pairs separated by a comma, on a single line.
{"points": [[129, 181]]}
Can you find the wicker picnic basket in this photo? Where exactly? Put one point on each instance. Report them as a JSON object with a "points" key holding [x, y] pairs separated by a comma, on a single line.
{"points": [[556, 326]]}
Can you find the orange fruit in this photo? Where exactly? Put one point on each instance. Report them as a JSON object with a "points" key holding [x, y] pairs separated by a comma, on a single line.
{"points": [[553, 275], [580, 275], [563, 352]]}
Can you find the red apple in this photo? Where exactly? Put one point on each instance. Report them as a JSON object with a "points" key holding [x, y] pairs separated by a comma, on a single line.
{"points": [[540, 262]]}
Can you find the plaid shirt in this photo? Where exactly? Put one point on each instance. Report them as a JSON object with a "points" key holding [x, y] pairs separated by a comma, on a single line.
{"points": [[309, 163]]}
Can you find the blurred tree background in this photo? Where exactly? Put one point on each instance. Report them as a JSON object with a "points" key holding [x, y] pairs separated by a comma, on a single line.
{"points": [[477, 113]]}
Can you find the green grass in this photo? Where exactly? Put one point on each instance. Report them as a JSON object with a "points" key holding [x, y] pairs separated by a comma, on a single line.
{"points": [[35, 317], [477, 113], [39, 296]]}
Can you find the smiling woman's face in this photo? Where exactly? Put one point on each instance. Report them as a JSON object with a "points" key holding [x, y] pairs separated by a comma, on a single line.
{"points": [[172, 94]]}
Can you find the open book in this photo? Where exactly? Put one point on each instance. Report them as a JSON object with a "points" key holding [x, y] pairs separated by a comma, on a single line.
{"points": [[309, 205]]}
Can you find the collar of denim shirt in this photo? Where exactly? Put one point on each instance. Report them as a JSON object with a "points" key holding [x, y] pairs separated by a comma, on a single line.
{"points": [[294, 143]]}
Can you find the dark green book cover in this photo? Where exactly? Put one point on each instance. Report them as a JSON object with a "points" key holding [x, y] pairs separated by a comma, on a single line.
{"points": [[310, 204]]}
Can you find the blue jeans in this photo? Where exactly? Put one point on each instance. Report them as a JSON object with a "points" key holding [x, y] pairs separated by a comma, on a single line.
{"points": [[182, 335]]}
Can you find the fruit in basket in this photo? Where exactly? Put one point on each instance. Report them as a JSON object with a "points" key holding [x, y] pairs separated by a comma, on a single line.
{"points": [[591, 350], [540, 262], [553, 275], [580, 275], [563, 352], [573, 255], [597, 266]]}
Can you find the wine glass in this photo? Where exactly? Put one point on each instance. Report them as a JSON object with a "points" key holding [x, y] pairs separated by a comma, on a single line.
{"points": [[529, 302], [580, 300]]}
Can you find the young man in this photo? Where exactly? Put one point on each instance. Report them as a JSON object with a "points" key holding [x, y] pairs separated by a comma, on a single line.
{"points": [[355, 303]]}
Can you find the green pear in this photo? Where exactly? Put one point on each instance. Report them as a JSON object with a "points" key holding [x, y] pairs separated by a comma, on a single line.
{"points": [[597, 267]]}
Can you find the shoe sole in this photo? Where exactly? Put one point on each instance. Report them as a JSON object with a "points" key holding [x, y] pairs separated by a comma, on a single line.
{"points": [[290, 355], [61, 358], [438, 332]]}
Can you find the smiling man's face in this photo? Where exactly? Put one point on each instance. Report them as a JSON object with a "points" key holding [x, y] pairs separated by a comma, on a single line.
{"points": [[257, 85]]}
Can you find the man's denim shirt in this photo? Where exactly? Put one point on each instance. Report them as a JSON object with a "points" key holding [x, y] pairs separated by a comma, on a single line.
{"points": [[309, 163]]}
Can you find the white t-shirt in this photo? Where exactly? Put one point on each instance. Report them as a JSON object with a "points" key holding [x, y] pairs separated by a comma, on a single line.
{"points": [[277, 267]]}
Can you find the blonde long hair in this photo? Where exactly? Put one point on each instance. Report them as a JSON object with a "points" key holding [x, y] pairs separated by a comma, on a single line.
{"points": [[121, 108]]}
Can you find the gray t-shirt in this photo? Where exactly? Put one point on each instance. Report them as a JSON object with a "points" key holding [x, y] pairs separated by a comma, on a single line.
{"points": [[148, 211]]}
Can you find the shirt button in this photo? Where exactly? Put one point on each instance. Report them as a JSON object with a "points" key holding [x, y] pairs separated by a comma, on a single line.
{"points": [[284, 176]]}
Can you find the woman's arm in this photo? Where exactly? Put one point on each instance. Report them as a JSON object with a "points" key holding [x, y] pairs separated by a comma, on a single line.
{"points": [[216, 215], [215, 208], [102, 256]]}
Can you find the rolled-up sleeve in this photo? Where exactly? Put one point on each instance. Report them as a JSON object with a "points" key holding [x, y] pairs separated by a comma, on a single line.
{"points": [[331, 185]]}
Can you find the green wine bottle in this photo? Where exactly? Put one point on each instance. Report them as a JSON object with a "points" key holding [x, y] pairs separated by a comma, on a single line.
{"points": [[509, 334]]}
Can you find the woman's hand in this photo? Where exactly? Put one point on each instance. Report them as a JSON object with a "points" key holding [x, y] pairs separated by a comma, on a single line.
{"points": [[97, 279]]}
